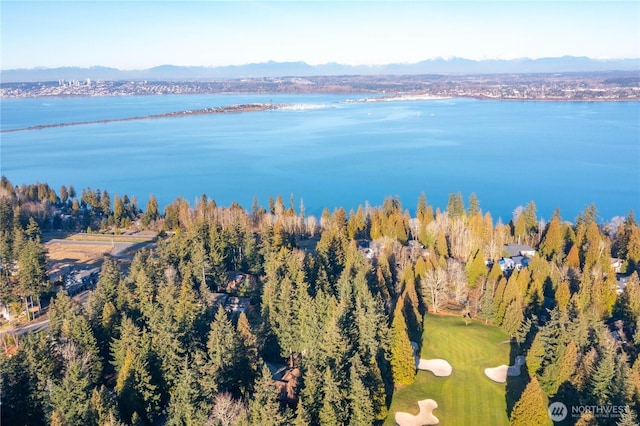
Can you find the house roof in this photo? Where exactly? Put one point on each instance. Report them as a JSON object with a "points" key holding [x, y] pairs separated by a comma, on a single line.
{"points": [[518, 249]]}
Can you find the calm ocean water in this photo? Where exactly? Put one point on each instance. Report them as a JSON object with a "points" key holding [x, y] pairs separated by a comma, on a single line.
{"points": [[335, 153]]}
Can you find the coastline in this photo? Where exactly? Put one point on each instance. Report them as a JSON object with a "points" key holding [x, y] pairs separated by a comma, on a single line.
{"points": [[231, 109], [256, 107], [401, 98]]}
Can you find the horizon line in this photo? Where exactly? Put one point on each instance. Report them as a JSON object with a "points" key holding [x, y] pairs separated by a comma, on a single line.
{"points": [[438, 58]]}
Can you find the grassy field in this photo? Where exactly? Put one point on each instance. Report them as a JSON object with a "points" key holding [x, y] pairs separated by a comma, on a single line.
{"points": [[467, 397]]}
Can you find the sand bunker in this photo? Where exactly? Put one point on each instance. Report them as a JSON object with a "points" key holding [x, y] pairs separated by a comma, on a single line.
{"points": [[439, 367], [499, 374], [424, 417]]}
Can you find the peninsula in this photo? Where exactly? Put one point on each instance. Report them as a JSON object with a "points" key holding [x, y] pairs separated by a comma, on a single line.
{"points": [[204, 111]]}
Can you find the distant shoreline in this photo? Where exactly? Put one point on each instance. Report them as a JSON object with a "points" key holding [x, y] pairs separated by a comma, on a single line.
{"points": [[205, 111], [256, 107]]}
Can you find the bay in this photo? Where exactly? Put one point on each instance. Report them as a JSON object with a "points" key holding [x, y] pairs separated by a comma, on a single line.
{"points": [[333, 153]]}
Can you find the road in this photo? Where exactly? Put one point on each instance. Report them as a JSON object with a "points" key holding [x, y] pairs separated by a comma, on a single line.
{"points": [[42, 323]]}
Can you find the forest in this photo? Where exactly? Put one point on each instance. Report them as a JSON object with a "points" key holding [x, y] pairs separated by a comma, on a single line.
{"points": [[269, 316]]}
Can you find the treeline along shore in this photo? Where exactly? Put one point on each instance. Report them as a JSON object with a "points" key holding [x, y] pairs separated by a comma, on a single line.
{"points": [[217, 110], [274, 317]]}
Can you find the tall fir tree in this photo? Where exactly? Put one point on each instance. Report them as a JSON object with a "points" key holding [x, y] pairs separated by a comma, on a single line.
{"points": [[531, 409], [403, 365], [361, 411], [264, 407]]}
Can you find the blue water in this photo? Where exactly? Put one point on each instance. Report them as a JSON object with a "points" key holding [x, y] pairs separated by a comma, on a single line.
{"points": [[560, 155]]}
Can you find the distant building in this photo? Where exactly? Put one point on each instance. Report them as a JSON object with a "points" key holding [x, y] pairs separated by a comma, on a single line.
{"points": [[520, 250], [240, 283], [236, 305], [287, 381], [506, 264], [616, 265], [79, 281]]}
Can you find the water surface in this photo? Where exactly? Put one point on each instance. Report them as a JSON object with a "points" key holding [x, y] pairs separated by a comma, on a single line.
{"points": [[559, 154]]}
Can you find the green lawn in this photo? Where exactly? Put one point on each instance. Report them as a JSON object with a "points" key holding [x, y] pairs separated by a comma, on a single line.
{"points": [[467, 397]]}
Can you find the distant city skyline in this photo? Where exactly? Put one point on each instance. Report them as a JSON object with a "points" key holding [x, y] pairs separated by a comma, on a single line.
{"points": [[144, 34]]}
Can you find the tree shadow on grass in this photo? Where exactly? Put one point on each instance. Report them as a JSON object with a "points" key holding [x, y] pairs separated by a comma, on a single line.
{"points": [[515, 384]]}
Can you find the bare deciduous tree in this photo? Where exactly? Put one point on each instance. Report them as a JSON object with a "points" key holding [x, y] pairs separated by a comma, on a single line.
{"points": [[226, 410], [457, 281], [434, 288]]}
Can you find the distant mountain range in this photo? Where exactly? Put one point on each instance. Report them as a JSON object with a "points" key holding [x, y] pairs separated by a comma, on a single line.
{"points": [[563, 64]]}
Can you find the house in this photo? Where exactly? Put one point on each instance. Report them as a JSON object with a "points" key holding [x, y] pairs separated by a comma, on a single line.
{"points": [[520, 262], [79, 281], [520, 250], [236, 305], [287, 381], [506, 264], [616, 265], [214, 299], [240, 283], [365, 247]]}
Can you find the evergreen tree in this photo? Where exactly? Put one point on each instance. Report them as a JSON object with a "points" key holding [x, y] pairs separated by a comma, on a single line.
{"points": [[103, 408], [151, 213], [64, 194], [166, 336], [563, 295], [302, 417], [628, 418], [311, 393], [485, 308], [531, 409], [247, 365], [186, 405], [601, 380], [513, 318], [136, 388], [627, 306], [32, 276], [441, 246], [361, 411], [104, 206], [118, 211], [332, 412], [474, 205], [573, 258], [24, 378], [71, 397], [187, 307], [264, 408], [519, 226], [222, 349], [455, 206], [552, 244], [403, 365], [531, 220], [476, 269], [422, 210], [375, 383]]}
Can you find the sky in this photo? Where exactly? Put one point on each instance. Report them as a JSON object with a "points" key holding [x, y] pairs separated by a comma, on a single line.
{"points": [[141, 34]]}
